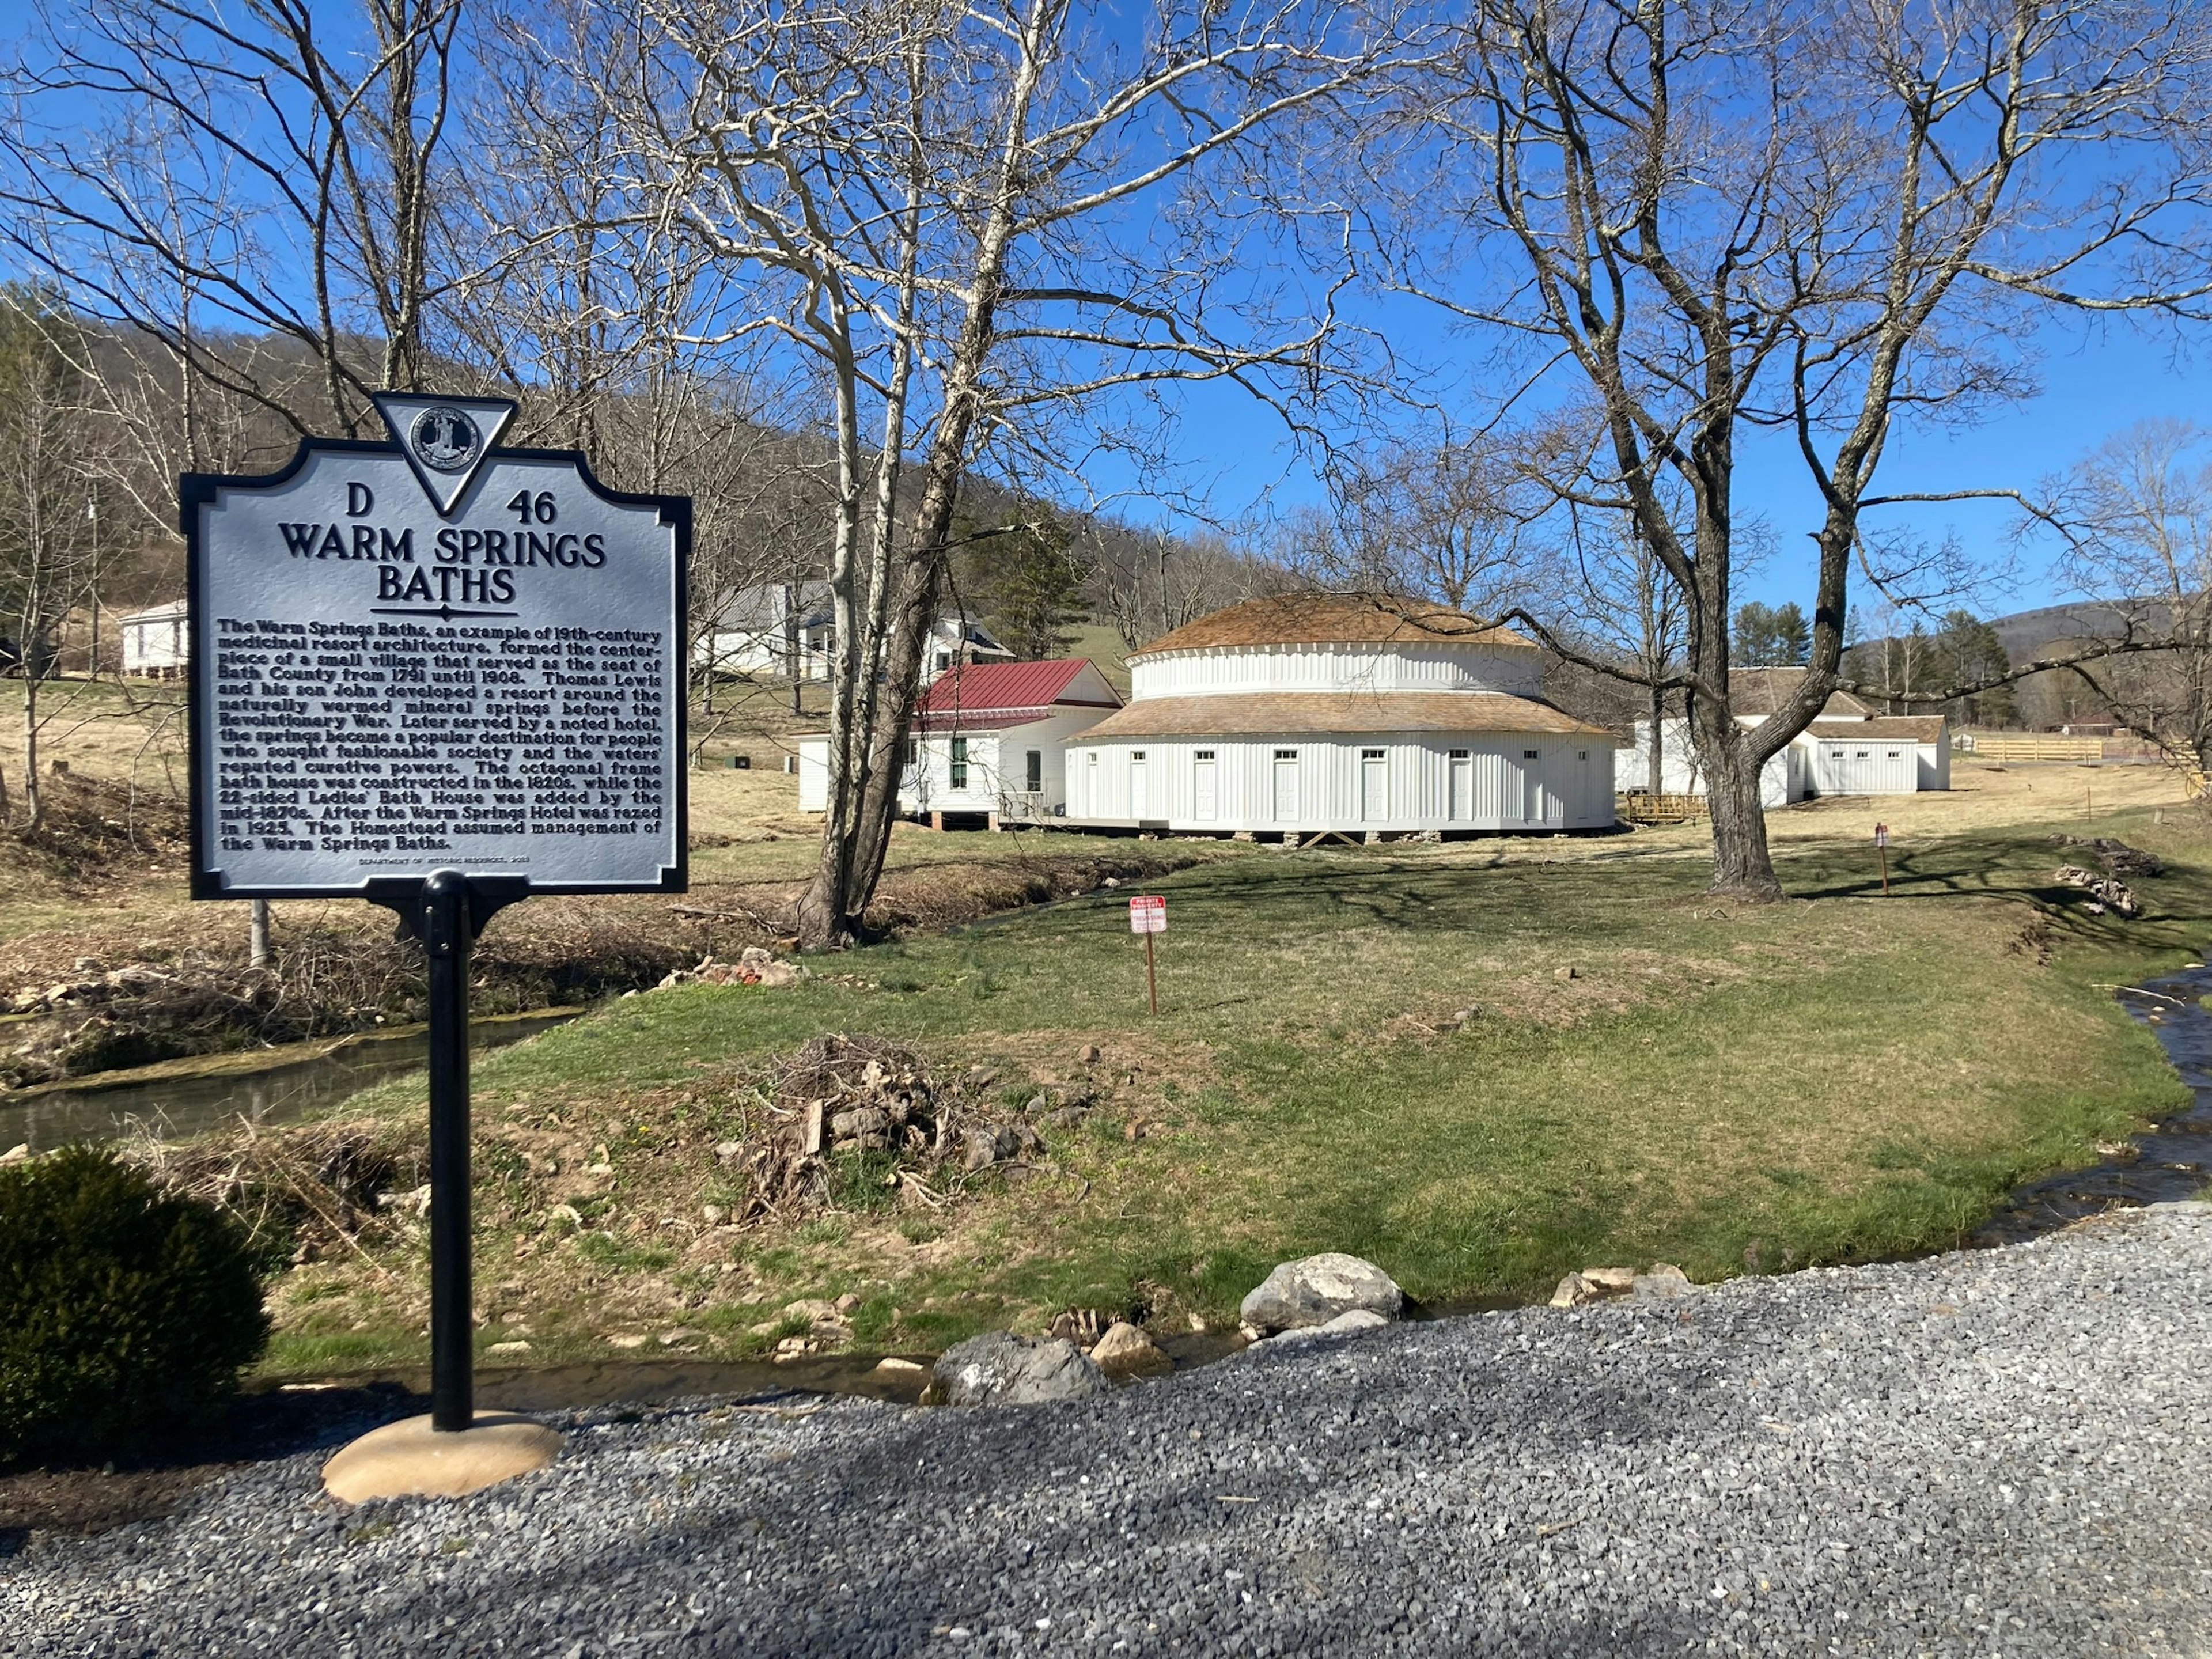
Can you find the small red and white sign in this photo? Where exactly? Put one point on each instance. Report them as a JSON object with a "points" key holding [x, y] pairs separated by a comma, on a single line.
{"points": [[1148, 914], [1881, 835]]}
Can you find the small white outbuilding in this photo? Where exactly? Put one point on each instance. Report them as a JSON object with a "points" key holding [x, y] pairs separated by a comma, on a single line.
{"points": [[156, 642], [786, 630], [1848, 749], [989, 743], [1361, 714]]}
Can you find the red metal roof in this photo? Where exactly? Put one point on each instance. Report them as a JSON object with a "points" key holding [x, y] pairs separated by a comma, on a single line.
{"points": [[981, 689]]}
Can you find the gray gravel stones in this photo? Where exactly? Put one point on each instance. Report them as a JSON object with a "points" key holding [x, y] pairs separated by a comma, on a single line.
{"points": [[2003, 1452], [1000, 1369], [1318, 1288]]}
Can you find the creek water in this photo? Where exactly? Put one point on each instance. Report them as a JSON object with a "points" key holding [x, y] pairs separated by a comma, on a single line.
{"points": [[2171, 1160], [323, 1075]]}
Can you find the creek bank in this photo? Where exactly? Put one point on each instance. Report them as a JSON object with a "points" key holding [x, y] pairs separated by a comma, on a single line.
{"points": [[2167, 1163], [208, 1093], [175, 985]]}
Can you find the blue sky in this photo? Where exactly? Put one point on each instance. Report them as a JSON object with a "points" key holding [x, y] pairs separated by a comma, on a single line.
{"points": [[2097, 380]]}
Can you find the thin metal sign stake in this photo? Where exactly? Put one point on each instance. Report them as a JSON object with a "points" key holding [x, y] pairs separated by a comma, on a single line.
{"points": [[1148, 915], [446, 929]]}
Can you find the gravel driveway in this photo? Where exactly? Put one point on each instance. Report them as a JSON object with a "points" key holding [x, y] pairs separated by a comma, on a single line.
{"points": [[2006, 1452]]}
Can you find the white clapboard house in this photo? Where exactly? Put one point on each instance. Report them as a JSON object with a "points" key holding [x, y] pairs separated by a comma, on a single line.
{"points": [[778, 627], [989, 743], [1309, 713], [1849, 749], [156, 642]]}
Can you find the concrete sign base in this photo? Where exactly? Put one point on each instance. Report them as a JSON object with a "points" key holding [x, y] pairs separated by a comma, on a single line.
{"points": [[409, 1459]]}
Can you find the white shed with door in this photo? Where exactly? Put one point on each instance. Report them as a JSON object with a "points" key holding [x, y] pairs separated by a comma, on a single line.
{"points": [[157, 643], [1852, 758], [1848, 749], [1326, 712]]}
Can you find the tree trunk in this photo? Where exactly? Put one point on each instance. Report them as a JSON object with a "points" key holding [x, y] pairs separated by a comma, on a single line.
{"points": [[853, 863], [35, 800], [791, 643], [1742, 867], [1655, 764]]}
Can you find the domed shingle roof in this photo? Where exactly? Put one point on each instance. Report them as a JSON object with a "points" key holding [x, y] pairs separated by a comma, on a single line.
{"points": [[1332, 619]]}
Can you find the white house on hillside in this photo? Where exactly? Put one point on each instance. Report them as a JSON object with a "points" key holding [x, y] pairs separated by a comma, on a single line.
{"points": [[989, 741], [157, 642], [1849, 749], [778, 627], [1311, 711]]}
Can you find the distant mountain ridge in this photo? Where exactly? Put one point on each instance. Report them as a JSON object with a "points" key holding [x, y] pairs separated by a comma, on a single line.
{"points": [[2025, 634]]}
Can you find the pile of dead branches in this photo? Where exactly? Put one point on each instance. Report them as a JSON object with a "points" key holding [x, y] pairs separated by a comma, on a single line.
{"points": [[2121, 860], [305, 1191], [846, 1108]]}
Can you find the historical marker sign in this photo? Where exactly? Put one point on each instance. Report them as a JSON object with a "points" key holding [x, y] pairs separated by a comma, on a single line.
{"points": [[439, 676], [435, 655]]}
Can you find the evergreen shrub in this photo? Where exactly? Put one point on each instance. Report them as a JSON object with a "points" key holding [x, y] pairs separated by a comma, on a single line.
{"points": [[125, 1311]]}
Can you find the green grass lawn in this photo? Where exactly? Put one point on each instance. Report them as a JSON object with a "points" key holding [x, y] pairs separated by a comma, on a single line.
{"points": [[1839, 1077]]}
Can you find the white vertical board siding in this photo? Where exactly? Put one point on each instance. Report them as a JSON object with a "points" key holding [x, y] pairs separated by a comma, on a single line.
{"points": [[1330, 784], [814, 775], [1866, 766], [1934, 768], [1420, 666]]}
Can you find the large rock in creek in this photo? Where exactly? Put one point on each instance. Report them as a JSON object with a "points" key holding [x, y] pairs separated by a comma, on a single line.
{"points": [[1001, 1369], [1125, 1351], [1315, 1290]]}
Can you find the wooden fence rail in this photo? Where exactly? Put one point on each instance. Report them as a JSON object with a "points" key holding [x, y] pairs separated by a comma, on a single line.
{"points": [[1642, 807], [2036, 747]]}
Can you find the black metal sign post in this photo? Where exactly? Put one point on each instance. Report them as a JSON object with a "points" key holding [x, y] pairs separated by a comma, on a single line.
{"points": [[439, 676], [448, 931], [447, 913]]}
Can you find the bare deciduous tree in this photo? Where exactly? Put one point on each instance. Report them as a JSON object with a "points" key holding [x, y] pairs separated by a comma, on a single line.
{"points": [[977, 222], [46, 545], [275, 166], [2141, 506], [1821, 220], [1453, 520]]}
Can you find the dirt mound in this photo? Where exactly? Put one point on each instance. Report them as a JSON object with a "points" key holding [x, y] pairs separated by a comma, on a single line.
{"points": [[90, 827], [847, 1112]]}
